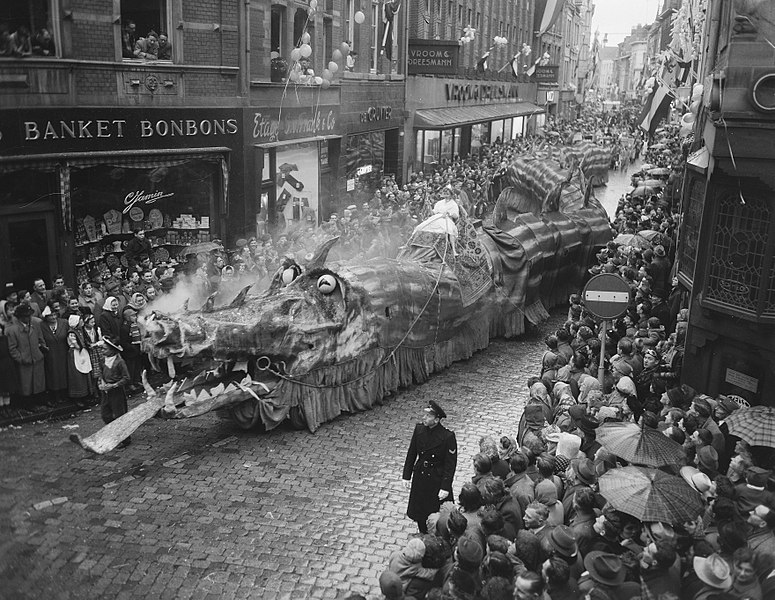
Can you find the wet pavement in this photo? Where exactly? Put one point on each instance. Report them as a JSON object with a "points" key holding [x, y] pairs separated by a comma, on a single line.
{"points": [[201, 509], [618, 185]]}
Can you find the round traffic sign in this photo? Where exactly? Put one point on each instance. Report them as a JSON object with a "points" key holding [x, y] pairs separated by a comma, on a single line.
{"points": [[606, 296]]}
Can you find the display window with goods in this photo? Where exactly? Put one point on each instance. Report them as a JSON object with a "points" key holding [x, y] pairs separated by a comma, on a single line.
{"points": [[173, 202]]}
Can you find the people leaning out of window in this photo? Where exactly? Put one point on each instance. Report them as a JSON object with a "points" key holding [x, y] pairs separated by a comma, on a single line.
{"points": [[17, 44], [147, 47]]}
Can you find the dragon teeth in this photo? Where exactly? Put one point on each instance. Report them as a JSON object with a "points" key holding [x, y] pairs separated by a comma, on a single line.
{"points": [[217, 390]]}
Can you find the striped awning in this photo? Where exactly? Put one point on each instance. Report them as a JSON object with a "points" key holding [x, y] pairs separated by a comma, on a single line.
{"points": [[443, 118]]}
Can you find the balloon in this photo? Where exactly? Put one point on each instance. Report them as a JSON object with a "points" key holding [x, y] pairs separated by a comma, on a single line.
{"points": [[698, 89], [327, 74], [294, 76], [360, 17], [333, 67], [306, 50], [318, 81], [688, 118], [696, 97], [337, 55], [695, 107], [305, 38], [313, 4], [326, 84], [295, 55], [345, 48]]}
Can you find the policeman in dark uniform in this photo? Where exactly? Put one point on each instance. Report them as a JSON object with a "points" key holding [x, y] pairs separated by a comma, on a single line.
{"points": [[432, 458]]}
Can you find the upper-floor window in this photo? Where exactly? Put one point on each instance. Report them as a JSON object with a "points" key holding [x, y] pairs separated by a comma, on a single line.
{"points": [[145, 30], [26, 29], [277, 30]]}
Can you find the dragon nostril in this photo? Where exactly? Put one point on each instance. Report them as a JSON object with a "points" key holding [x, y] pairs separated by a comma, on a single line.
{"points": [[311, 346]]}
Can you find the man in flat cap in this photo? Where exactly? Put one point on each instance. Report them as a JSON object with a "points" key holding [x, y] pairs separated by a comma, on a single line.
{"points": [[430, 466]]}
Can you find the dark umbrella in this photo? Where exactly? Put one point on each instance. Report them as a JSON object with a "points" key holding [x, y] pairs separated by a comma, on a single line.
{"points": [[642, 191], [633, 240], [754, 425], [640, 445], [651, 495], [650, 235]]}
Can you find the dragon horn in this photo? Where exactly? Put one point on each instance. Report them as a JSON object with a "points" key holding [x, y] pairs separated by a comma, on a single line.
{"points": [[239, 300], [322, 253], [147, 386]]}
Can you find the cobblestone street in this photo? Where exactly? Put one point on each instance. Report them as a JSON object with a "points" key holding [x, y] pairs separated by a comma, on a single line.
{"points": [[201, 509]]}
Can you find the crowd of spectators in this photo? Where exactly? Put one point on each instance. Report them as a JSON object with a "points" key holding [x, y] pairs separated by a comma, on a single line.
{"points": [[20, 42], [532, 522]]}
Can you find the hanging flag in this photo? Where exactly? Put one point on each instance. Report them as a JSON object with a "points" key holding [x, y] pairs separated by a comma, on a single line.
{"points": [[481, 64], [656, 108], [515, 64], [682, 71], [552, 11], [389, 11]]}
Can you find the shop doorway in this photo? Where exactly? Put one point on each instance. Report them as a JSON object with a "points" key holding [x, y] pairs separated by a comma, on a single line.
{"points": [[27, 248]]}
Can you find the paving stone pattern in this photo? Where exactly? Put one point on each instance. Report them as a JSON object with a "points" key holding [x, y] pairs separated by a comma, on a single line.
{"points": [[201, 509]]}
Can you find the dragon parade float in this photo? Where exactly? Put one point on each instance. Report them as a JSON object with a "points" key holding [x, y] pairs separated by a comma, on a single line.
{"points": [[337, 337]]}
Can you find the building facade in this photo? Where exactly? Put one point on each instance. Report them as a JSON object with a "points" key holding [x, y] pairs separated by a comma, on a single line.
{"points": [[220, 134], [726, 252]]}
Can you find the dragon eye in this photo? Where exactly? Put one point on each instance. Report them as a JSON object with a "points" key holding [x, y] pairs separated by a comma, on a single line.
{"points": [[326, 284]]}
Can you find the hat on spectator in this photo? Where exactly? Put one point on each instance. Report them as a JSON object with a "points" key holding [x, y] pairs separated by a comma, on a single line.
{"points": [[112, 344], [577, 411], [469, 550], [659, 250], [563, 541], [608, 412], [390, 585], [676, 396], [660, 531], [695, 478], [728, 404], [713, 571], [588, 424], [605, 568], [707, 457], [436, 410], [568, 445], [534, 416], [757, 476], [23, 310], [584, 470]]}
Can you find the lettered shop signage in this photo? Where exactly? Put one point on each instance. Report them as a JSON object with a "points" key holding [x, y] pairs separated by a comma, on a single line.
{"points": [[95, 129], [276, 125], [433, 57]]}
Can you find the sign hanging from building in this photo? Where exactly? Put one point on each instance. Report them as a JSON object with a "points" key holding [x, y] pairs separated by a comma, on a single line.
{"points": [[546, 73], [433, 57]]}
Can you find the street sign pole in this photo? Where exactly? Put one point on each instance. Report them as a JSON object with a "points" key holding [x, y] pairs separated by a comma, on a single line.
{"points": [[606, 296], [601, 365]]}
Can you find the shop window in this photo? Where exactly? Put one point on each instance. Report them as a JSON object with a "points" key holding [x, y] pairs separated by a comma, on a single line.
{"points": [[364, 165], [174, 201], [507, 129], [145, 30], [297, 191], [432, 148], [447, 137], [496, 132], [419, 145], [690, 226], [277, 29], [26, 29]]}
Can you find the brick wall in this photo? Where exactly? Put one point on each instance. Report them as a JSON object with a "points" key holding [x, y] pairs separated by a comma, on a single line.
{"points": [[210, 85], [94, 82], [91, 30]]}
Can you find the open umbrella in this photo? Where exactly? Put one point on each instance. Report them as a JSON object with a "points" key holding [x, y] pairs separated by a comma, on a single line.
{"points": [[651, 183], [659, 172], [651, 235], [643, 190], [651, 495], [640, 445], [754, 425], [633, 240]]}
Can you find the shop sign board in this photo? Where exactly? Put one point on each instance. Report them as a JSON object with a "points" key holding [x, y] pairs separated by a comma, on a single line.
{"points": [[275, 125], [25, 131], [547, 73], [433, 57]]}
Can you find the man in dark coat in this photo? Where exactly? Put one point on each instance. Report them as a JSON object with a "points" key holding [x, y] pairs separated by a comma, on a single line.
{"points": [[26, 344], [430, 466]]}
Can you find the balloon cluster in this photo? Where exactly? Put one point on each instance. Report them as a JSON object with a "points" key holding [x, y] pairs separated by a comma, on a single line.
{"points": [[688, 119], [300, 73], [468, 34], [499, 41]]}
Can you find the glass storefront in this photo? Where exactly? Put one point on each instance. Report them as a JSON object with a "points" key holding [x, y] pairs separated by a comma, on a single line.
{"points": [[297, 182], [173, 199], [364, 166]]}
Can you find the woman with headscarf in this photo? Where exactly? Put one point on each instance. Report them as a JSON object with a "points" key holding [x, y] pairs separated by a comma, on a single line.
{"points": [[92, 337], [79, 367], [109, 321]]}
